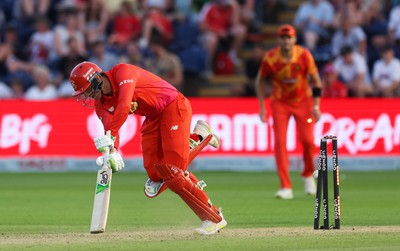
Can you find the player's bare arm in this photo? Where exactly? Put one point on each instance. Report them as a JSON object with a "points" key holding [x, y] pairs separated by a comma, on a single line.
{"points": [[316, 83], [260, 92]]}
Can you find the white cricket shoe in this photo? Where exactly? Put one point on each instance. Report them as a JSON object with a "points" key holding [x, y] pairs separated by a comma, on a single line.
{"points": [[151, 188], [209, 227], [203, 129], [309, 186], [285, 194]]}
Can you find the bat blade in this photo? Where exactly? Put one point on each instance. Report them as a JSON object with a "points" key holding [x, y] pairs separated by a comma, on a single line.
{"points": [[101, 200]]}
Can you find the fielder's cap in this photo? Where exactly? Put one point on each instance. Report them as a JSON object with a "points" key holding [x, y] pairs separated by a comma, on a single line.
{"points": [[286, 30]]}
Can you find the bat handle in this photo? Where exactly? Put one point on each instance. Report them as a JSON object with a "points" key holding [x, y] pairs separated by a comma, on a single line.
{"points": [[107, 151]]}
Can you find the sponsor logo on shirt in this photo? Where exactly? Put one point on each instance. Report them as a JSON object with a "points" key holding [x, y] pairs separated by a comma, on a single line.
{"points": [[174, 128], [290, 81], [125, 81]]}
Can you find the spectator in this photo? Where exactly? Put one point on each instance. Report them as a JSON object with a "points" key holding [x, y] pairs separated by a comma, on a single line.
{"points": [[155, 21], [132, 54], [350, 35], [220, 23], [12, 59], [394, 25], [247, 12], [43, 89], [251, 69], [17, 88], [14, 91], [349, 9], [94, 18], [29, 10], [24, 14], [5, 91], [352, 69], [166, 64], [332, 87], [314, 18], [268, 10], [64, 31], [66, 64], [126, 25], [101, 56], [386, 74], [10, 37], [41, 45], [184, 7]]}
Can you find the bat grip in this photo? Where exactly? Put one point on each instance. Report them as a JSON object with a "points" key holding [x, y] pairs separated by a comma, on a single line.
{"points": [[107, 150]]}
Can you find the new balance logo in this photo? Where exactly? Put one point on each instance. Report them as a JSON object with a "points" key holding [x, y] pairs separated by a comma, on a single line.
{"points": [[174, 128]]}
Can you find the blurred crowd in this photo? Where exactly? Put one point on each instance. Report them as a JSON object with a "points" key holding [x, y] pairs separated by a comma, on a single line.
{"points": [[355, 42]]}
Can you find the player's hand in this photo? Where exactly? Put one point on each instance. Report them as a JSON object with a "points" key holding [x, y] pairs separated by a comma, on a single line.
{"points": [[316, 113], [103, 142], [115, 162], [263, 115]]}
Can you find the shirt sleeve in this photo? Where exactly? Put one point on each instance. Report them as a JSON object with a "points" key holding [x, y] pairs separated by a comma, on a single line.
{"points": [[361, 65], [265, 69], [396, 73], [393, 19], [360, 34], [126, 79]]}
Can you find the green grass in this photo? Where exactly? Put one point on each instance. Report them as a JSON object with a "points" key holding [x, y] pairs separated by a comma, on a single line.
{"points": [[51, 211]]}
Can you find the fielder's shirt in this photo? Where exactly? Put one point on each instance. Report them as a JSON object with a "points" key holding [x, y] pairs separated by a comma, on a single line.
{"points": [[289, 78]]}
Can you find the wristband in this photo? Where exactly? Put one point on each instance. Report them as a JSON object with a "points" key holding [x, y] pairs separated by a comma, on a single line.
{"points": [[316, 92]]}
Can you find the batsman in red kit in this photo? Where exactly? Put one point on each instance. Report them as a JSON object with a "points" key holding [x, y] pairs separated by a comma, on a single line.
{"points": [[166, 139], [289, 66]]}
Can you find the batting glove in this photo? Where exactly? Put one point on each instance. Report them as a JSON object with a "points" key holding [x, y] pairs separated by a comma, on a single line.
{"points": [[103, 142], [115, 162]]}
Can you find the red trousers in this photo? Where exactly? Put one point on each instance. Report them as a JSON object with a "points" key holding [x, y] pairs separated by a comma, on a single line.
{"points": [[302, 113], [165, 139]]}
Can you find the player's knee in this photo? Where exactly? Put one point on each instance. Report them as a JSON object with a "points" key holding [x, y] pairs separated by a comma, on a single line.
{"points": [[173, 176]]}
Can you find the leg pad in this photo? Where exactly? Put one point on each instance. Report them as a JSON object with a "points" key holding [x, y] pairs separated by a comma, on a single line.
{"points": [[193, 196]]}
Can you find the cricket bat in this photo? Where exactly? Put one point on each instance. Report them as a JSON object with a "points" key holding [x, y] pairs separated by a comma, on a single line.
{"points": [[101, 196]]}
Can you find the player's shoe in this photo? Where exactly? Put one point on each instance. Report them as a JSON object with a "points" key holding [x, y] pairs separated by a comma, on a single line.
{"points": [[285, 194], [203, 129], [309, 186], [209, 227], [153, 188]]}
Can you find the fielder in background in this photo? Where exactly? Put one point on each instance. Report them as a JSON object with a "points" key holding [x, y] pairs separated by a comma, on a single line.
{"points": [[166, 139], [289, 66]]}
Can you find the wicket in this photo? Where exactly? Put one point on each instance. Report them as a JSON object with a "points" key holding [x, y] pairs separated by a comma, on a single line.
{"points": [[322, 185]]}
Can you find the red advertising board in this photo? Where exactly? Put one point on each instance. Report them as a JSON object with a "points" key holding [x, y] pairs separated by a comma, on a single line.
{"points": [[65, 129]]}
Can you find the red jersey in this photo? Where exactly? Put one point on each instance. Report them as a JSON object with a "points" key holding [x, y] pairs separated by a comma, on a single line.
{"points": [[132, 84], [217, 17], [289, 79], [337, 90], [126, 27]]}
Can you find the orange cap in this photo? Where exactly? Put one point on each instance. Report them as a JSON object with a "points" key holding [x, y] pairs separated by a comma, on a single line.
{"points": [[286, 30]]}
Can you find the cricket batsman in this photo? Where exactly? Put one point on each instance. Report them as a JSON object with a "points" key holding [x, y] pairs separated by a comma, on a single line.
{"points": [[289, 67], [166, 139]]}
